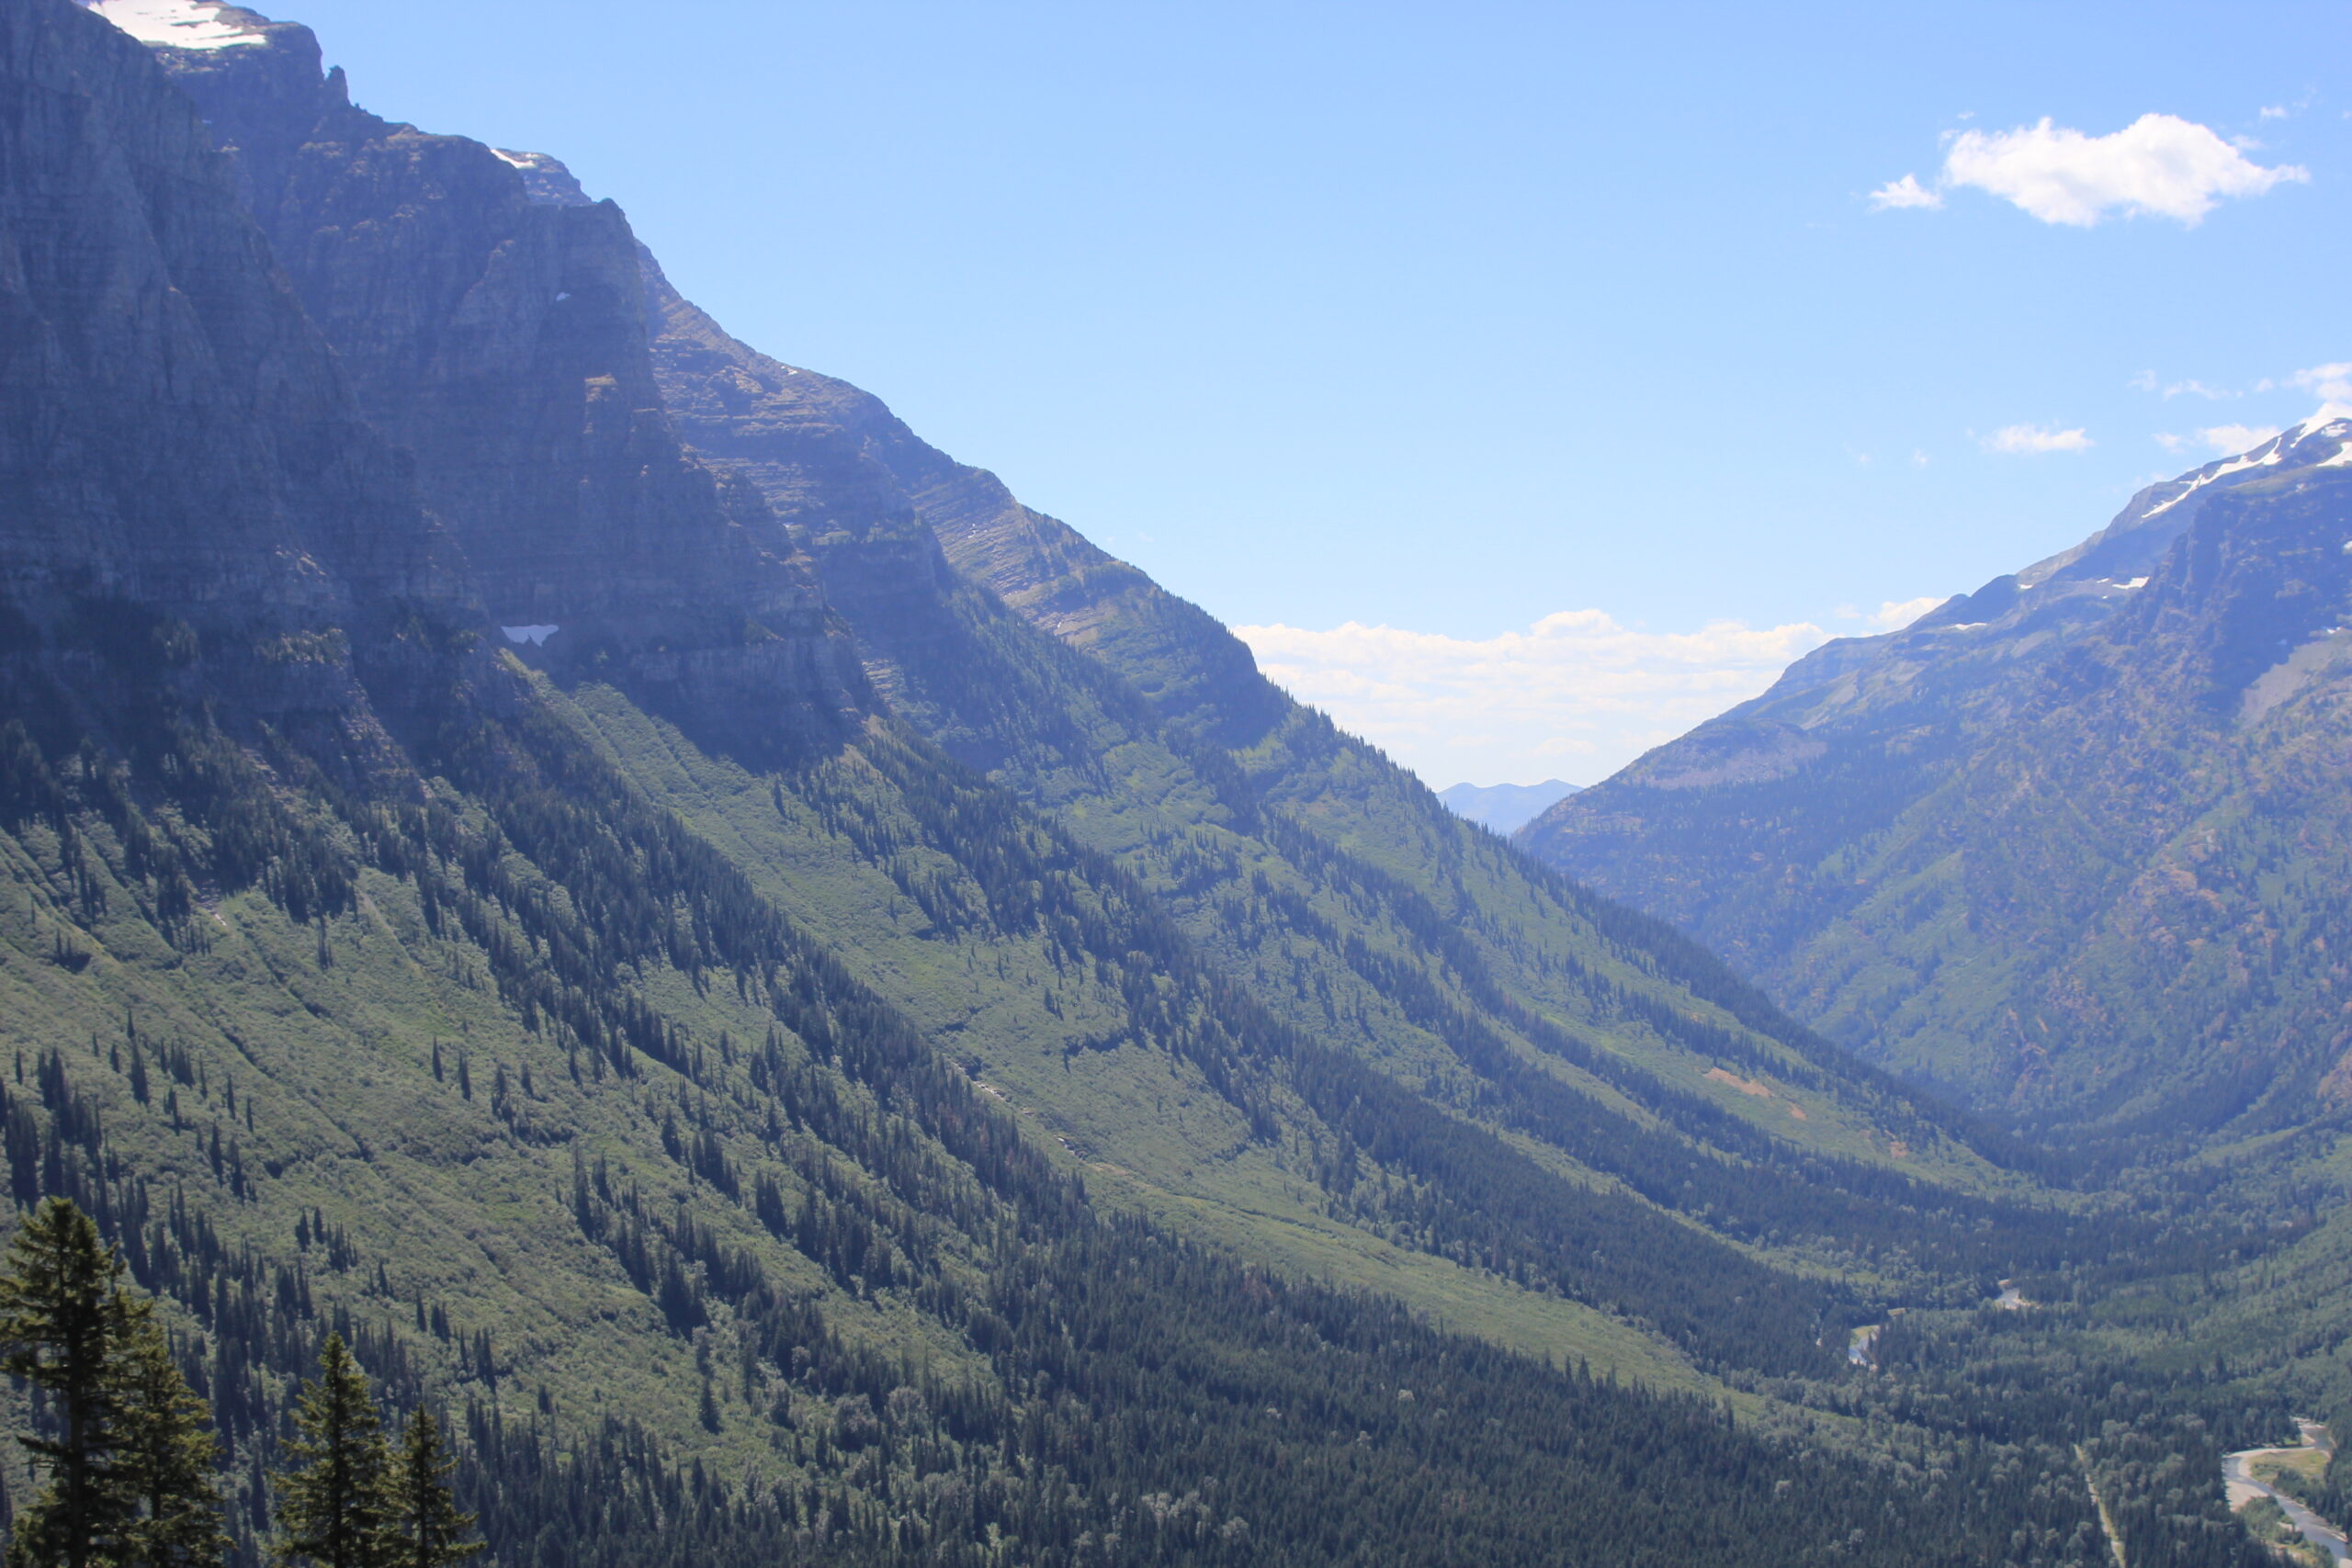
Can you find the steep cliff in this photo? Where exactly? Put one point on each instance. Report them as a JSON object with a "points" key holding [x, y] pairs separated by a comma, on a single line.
{"points": [[501, 341], [176, 431]]}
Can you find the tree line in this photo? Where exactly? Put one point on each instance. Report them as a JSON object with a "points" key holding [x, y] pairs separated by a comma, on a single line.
{"points": [[128, 1455]]}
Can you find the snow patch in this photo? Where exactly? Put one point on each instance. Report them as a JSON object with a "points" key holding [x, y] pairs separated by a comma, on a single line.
{"points": [[536, 636], [2261, 457], [177, 24], [2327, 414]]}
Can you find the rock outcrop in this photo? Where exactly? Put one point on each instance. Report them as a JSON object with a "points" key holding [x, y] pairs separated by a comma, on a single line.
{"points": [[176, 431], [500, 338]]}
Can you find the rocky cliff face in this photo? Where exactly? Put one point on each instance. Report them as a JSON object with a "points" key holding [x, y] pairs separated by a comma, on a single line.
{"points": [[2054, 845], [176, 431], [500, 338]]}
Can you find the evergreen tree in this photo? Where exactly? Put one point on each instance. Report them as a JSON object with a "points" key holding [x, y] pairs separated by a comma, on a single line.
{"points": [[61, 1323], [336, 1506], [427, 1529], [170, 1453]]}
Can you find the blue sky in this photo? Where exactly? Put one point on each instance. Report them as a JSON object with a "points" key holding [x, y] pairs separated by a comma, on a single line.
{"points": [[1448, 323]]}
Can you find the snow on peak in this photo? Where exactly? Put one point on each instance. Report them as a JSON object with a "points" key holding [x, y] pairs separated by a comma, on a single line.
{"points": [[178, 24], [545, 179], [2331, 422]]}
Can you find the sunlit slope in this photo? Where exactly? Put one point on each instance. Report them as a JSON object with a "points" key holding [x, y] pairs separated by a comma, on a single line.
{"points": [[1047, 1040], [1329, 882], [2074, 849], [501, 1068]]}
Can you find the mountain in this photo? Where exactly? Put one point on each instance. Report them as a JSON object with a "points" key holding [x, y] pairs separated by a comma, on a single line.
{"points": [[2068, 846], [1504, 808], [818, 1012]]}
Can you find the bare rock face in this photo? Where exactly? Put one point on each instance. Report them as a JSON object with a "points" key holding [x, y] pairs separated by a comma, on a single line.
{"points": [[492, 325], [177, 432]]}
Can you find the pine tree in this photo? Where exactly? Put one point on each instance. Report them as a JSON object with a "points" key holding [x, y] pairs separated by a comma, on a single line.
{"points": [[170, 1454], [335, 1506], [428, 1531], [61, 1323]]}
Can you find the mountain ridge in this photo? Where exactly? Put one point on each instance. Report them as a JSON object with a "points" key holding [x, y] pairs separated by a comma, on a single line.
{"points": [[1870, 781], [1504, 807]]}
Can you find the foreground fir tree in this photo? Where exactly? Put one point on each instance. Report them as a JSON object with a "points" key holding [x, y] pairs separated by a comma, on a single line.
{"points": [[334, 1507], [170, 1452], [427, 1530], [130, 1462], [61, 1324]]}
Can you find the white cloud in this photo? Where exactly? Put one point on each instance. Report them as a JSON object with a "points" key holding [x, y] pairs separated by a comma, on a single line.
{"points": [[2030, 439], [2333, 382], [1905, 192], [1577, 695], [1893, 617], [2145, 381], [2159, 165], [2222, 440], [2274, 111]]}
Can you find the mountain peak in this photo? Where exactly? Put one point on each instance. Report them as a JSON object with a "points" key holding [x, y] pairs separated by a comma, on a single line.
{"points": [[2326, 423], [1504, 807], [545, 179], [184, 24]]}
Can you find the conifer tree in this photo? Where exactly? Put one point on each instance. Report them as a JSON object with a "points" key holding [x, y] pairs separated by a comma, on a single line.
{"points": [[61, 1324], [335, 1506], [428, 1531], [170, 1454]]}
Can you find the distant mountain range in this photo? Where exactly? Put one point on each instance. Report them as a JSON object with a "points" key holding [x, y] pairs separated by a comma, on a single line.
{"points": [[1504, 808], [2073, 847]]}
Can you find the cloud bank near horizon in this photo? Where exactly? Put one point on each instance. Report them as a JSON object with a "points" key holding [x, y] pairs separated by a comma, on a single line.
{"points": [[1575, 696]]}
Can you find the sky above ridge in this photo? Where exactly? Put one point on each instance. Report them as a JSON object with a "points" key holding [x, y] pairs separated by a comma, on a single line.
{"points": [[1528, 383]]}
